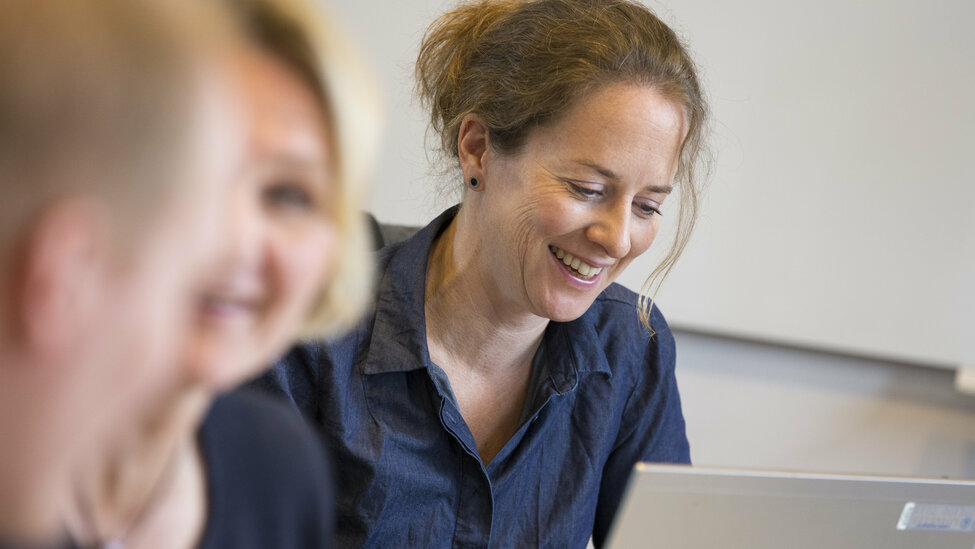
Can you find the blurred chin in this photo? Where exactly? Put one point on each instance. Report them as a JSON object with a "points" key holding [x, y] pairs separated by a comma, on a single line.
{"points": [[215, 364]]}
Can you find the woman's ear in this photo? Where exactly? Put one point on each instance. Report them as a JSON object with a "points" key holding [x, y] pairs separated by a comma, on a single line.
{"points": [[57, 277], [472, 144]]}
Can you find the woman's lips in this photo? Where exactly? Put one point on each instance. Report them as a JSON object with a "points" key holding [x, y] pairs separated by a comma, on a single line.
{"points": [[227, 305], [578, 267]]}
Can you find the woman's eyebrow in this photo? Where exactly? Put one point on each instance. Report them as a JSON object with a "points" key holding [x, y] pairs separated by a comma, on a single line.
{"points": [[611, 175], [601, 170], [297, 162]]}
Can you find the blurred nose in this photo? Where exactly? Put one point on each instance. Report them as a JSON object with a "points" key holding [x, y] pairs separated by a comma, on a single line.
{"points": [[611, 230], [242, 235]]}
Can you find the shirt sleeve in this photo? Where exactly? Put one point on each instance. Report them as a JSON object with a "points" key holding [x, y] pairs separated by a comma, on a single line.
{"points": [[652, 429]]}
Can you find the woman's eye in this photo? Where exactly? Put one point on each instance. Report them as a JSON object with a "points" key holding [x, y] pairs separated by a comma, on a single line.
{"points": [[647, 210], [288, 195], [584, 191]]}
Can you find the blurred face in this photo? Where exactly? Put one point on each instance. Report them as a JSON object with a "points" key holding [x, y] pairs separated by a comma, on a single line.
{"points": [[280, 236], [141, 302], [564, 216]]}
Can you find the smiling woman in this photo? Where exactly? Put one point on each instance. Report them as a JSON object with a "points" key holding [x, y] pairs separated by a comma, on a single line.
{"points": [[283, 230], [503, 387], [517, 73]]}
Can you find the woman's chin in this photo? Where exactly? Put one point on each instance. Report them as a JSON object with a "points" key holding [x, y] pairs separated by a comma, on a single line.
{"points": [[221, 356], [561, 297], [565, 310], [217, 367]]}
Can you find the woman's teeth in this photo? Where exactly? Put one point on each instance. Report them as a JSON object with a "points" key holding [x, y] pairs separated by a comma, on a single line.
{"points": [[584, 269], [225, 305]]}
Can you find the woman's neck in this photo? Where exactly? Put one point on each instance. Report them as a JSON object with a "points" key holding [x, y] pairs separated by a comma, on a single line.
{"points": [[465, 320], [151, 474], [28, 494], [38, 442]]}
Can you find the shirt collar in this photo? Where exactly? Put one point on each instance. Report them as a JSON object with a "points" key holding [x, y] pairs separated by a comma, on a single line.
{"points": [[574, 348], [399, 333], [399, 336]]}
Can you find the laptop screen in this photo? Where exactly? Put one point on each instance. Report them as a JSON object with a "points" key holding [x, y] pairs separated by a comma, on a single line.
{"points": [[673, 507]]}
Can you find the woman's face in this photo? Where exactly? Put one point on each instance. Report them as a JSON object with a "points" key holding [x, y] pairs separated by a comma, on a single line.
{"points": [[564, 216], [131, 312], [280, 235]]}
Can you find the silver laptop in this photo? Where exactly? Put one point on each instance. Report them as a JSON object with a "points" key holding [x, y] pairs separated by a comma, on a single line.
{"points": [[680, 507]]}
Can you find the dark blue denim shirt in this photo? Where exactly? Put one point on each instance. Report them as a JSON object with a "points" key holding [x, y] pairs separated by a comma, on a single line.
{"points": [[602, 397]]}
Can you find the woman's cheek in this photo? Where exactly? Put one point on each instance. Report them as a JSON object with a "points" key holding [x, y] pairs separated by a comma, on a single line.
{"points": [[313, 261], [560, 215]]}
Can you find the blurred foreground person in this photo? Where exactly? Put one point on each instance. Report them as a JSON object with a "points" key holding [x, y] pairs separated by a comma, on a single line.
{"points": [[104, 226], [241, 470]]}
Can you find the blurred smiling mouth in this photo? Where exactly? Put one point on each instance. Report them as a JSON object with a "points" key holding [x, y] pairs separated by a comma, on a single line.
{"points": [[575, 265], [225, 305]]}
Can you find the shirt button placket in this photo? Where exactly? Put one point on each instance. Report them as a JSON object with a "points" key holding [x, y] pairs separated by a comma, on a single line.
{"points": [[475, 505]]}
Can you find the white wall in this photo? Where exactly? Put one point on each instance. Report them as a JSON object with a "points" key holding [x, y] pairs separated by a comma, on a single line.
{"points": [[389, 32], [837, 218]]}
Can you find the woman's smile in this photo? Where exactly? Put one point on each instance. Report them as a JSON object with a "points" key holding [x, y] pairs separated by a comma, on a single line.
{"points": [[577, 266], [230, 305]]}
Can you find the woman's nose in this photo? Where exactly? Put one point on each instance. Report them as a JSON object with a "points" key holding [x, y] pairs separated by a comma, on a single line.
{"points": [[611, 230], [242, 234]]}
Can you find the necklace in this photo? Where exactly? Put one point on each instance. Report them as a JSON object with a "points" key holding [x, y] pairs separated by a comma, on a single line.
{"points": [[161, 487]]}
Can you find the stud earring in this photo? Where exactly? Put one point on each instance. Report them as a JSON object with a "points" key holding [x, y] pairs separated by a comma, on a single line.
{"points": [[474, 183]]}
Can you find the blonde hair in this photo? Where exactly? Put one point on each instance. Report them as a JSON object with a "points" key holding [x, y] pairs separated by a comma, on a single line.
{"points": [[520, 64], [99, 99], [310, 43]]}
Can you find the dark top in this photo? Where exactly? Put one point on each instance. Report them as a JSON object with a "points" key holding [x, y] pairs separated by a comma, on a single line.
{"points": [[268, 480], [602, 397]]}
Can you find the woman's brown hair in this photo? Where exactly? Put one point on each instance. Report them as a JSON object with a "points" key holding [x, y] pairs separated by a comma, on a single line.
{"points": [[520, 64]]}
